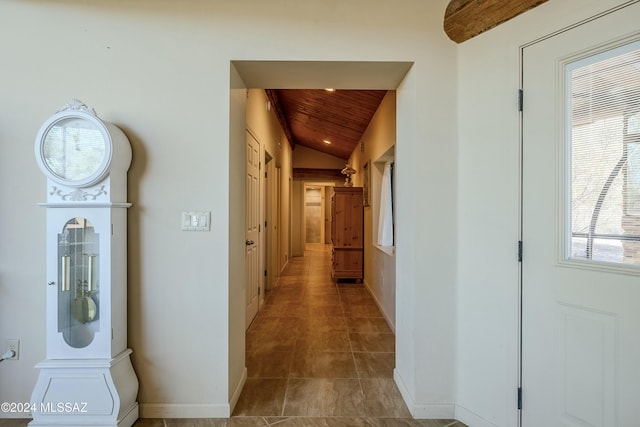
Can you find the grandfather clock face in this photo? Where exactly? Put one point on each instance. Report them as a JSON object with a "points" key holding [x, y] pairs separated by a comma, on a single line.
{"points": [[74, 149]]}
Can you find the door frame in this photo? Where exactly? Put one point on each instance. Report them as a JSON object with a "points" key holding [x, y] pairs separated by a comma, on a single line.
{"points": [[271, 229], [260, 206], [323, 209]]}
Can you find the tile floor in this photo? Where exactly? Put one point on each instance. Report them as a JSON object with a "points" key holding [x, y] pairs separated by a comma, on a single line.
{"points": [[319, 354]]}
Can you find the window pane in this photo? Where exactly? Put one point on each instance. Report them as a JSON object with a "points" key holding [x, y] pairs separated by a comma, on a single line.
{"points": [[604, 136]]}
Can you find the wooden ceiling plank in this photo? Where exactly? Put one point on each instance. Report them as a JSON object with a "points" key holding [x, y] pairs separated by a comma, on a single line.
{"points": [[327, 126], [314, 115], [272, 95], [464, 19]]}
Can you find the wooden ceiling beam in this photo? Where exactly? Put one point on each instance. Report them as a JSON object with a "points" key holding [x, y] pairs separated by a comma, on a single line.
{"points": [[272, 95], [318, 174], [465, 19]]}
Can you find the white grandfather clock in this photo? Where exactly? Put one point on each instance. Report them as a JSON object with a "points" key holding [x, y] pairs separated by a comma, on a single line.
{"points": [[87, 378]]}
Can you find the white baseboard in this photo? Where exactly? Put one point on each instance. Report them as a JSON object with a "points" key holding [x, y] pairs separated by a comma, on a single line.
{"points": [[389, 321], [471, 419], [434, 411], [284, 266], [444, 411], [184, 410], [188, 410], [236, 392], [404, 392]]}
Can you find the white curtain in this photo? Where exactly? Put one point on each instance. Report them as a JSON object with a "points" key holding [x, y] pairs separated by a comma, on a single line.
{"points": [[385, 218]]}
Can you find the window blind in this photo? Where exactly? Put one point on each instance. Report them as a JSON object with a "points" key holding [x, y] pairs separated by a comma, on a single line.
{"points": [[604, 156]]}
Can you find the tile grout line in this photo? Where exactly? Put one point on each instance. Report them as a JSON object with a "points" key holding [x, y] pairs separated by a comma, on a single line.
{"points": [[353, 357], [305, 279], [286, 389], [293, 353], [310, 279]]}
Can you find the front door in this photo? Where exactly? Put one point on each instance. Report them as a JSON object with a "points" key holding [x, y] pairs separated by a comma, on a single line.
{"points": [[581, 225], [252, 230]]}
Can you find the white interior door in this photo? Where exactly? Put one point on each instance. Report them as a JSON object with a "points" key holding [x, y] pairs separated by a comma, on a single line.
{"points": [[252, 219], [580, 279], [313, 214], [269, 224]]}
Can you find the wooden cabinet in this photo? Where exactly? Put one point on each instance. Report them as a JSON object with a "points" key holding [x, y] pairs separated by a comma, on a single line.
{"points": [[347, 233]]}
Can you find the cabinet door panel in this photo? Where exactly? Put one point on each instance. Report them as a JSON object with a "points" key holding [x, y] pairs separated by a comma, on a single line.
{"points": [[347, 263], [347, 233], [342, 221], [356, 221]]}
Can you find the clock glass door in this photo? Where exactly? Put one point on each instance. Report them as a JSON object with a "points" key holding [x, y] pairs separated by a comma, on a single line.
{"points": [[78, 292]]}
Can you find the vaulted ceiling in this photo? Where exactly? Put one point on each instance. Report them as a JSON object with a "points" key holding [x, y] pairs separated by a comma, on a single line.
{"points": [[330, 121], [333, 121]]}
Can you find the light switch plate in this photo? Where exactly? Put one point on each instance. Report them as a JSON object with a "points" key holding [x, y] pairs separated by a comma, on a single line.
{"points": [[196, 220]]}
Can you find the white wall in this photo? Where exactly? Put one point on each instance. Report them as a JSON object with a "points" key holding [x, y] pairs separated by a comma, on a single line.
{"points": [[426, 237], [236, 290], [488, 210], [161, 71], [304, 157], [265, 126], [379, 267]]}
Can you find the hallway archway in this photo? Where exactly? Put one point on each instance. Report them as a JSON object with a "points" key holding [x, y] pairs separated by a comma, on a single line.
{"points": [[315, 75]]}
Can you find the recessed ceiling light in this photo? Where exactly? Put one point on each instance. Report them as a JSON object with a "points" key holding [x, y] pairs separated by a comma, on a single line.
{"points": [[326, 141]]}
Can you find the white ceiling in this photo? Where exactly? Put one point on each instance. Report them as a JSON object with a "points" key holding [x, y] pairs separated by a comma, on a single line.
{"points": [[320, 74]]}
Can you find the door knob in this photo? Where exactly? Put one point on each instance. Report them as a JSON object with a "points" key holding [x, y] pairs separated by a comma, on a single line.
{"points": [[249, 242]]}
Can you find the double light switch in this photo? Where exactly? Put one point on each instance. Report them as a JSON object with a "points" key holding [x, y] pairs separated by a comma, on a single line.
{"points": [[196, 220]]}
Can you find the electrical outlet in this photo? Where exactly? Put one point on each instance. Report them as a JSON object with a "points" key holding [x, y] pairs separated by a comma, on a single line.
{"points": [[13, 344]]}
